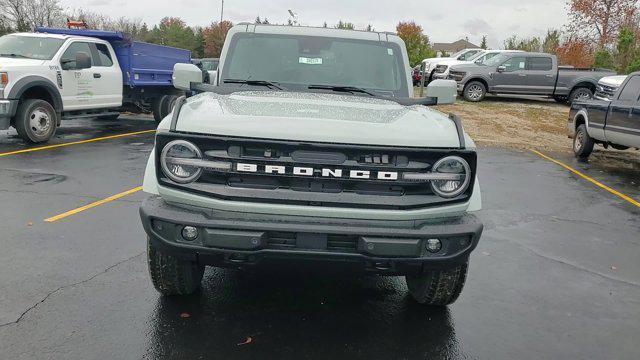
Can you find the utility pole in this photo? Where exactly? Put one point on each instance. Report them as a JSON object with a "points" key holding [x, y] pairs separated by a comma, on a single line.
{"points": [[222, 11]]}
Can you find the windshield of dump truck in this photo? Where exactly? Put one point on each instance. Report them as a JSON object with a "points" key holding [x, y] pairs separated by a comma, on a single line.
{"points": [[295, 62], [29, 47]]}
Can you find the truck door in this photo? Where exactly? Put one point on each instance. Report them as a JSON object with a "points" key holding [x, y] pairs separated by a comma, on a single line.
{"points": [[77, 84], [541, 79], [107, 77], [623, 119], [511, 76]]}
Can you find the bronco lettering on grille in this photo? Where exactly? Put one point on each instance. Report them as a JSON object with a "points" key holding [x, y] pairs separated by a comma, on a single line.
{"points": [[320, 172]]}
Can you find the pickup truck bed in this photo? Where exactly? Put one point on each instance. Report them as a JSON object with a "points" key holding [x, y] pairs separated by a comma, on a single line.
{"points": [[142, 64]]}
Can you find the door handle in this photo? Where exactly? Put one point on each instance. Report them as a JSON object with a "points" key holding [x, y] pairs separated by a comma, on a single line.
{"points": [[97, 76], [522, 75], [549, 76]]}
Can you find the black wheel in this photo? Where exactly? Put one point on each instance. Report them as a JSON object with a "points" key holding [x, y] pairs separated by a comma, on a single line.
{"points": [[560, 99], [438, 287], [170, 275], [474, 91], [156, 107], [36, 121], [169, 103], [579, 94], [582, 143]]}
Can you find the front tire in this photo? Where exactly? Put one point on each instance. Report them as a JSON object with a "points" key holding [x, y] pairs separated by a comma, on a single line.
{"points": [[157, 107], [170, 275], [582, 143], [36, 121], [474, 91], [438, 287]]}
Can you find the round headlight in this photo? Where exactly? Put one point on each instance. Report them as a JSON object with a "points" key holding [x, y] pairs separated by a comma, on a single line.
{"points": [[175, 164], [453, 165]]}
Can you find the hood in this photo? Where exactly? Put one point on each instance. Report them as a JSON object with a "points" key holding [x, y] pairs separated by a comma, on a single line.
{"points": [[7, 62], [614, 81], [315, 117], [467, 67]]}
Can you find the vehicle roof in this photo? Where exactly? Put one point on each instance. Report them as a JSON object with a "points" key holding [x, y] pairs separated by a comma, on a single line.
{"points": [[314, 31]]}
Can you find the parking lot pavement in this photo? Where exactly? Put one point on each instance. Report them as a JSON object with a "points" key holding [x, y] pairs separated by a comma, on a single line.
{"points": [[555, 275]]}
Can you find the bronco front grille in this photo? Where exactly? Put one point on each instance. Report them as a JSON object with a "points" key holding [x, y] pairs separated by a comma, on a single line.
{"points": [[369, 174]]}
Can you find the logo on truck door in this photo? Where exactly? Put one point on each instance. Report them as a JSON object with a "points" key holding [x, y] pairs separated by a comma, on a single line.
{"points": [[329, 173]]}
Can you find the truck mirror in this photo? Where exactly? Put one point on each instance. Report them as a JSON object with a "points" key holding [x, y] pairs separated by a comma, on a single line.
{"points": [[83, 61], [443, 90], [502, 68], [185, 75]]}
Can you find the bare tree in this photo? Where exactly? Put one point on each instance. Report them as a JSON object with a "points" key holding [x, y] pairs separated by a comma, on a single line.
{"points": [[15, 14], [42, 12]]}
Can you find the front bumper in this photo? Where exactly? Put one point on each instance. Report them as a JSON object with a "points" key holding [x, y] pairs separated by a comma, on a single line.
{"points": [[8, 110], [229, 239]]}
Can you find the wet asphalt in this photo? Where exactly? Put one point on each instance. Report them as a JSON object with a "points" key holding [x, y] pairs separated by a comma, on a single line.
{"points": [[556, 274]]}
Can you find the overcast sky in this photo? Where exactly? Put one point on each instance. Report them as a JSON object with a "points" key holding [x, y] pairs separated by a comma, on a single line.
{"points": [[443, 21]]}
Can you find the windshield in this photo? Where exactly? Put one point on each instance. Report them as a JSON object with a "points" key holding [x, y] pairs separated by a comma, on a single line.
{"points": [[30, 47], [296, 61], [496, 60], [209, 64], [485, 57], [478, 55]]}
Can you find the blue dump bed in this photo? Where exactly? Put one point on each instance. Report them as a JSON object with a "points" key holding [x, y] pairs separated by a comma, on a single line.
{"points": [[142, 64]]}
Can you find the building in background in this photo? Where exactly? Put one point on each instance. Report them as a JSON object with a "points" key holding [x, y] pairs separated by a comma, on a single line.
{"points": [[446, 49]]}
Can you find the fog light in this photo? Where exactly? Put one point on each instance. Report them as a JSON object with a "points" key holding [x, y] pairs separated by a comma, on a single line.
{"points": [[434, 245], [189, 233]]}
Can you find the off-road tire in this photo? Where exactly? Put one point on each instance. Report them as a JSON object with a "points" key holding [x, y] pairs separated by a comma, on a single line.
{"points": [[437, 287], [157, 106], [28, 111], [581, 93], [170, 275], [474, 91], [582, 143], [169, 103]]}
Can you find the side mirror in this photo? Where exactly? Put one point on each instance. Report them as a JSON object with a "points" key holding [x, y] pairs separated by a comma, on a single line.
{"points": [[83, 60], [184, 75], [445, 91], [501, 68]]}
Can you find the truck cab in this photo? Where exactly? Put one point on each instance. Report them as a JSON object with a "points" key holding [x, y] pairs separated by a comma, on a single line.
{"points": [[54, 74]]}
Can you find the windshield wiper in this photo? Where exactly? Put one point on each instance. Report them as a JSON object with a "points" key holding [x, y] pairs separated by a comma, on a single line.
{"points": [[15, 56], [340, 88], [268, 84]]}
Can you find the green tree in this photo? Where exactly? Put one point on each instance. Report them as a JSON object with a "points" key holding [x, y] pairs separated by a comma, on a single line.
{"points": [[602, 58], [634, 66], [626, 48], [345, 25], [483, 43], [417, 43], [531, 44], [551, 41]]}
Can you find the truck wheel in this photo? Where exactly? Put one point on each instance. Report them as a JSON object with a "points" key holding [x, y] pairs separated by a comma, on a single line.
{"points": [[581, 93], [169, 103], [36, 121], [170, 275], [156, 108], [474, 91], [438, 287], [582, 143]]}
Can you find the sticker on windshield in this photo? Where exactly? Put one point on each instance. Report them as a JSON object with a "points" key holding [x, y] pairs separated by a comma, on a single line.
{"points": [[310, 61], [390, 51]]}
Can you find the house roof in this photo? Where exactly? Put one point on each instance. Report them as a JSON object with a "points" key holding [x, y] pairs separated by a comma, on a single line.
{"points": [[454, 46]]}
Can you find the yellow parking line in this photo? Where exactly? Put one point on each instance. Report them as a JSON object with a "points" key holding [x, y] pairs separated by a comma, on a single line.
{"points": [[93, 204], [75, 142], [591, 180]]}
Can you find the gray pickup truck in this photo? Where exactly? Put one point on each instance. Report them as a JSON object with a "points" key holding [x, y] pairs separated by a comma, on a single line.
{"points": [[526, 74]]}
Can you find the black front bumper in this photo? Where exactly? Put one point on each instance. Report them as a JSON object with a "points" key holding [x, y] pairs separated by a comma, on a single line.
{"points": [[229, 239]]}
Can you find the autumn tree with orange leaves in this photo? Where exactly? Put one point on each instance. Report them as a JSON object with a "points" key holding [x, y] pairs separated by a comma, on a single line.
{"points": [[575, 52], [214, 36], [417, 43], [598, 21]]}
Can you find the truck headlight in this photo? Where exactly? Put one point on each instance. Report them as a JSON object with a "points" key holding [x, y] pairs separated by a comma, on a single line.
{"points": [[451, 165], [177, 162], [441, 68]]}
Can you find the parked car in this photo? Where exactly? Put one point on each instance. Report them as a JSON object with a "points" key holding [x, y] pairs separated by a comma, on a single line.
{"points": [[614, 123], [607, 87], [442, 69], [429, 65], [54, 74], [300, 156], [526, 74]]}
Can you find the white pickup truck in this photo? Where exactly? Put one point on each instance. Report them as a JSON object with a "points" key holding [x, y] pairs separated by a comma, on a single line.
{"points": [[54, 74]]}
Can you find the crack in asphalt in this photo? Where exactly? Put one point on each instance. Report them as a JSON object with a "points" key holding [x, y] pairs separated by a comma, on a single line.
{"points": [[51, 293]]}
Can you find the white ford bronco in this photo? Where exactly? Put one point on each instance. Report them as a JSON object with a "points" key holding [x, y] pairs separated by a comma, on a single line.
{"points": [[309, 148]]}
